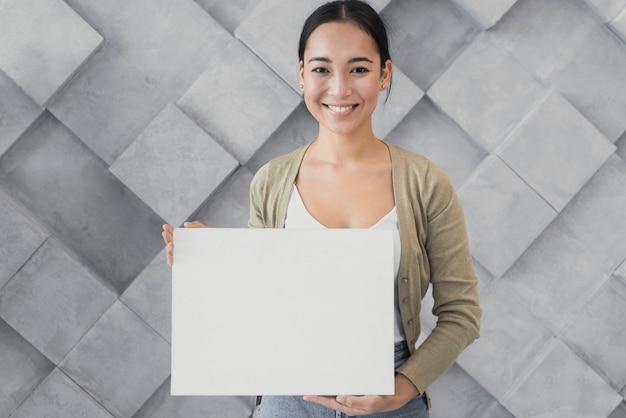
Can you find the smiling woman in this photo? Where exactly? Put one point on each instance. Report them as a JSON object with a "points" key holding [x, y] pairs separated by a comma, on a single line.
{"points": [[348, 178]]}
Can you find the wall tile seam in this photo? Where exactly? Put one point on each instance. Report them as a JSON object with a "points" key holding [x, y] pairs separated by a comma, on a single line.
{"points": [[73, 74], [451, 60], [611, 25], [60, 364], [488, 405], [219, 140], [268, 66], [601, 283], [153, 83], [49, 234], [31, 127], [23, 265], [476, 19], [123, 301], [599, 15], [504, 135], [278, 128], [32, 391], [574, 348], [81, 336], [74, 255], [530, 368], [80, 388], [450, 120]]}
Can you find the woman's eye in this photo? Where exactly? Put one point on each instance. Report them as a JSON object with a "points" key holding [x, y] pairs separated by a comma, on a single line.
{"points": [[320, 70], [360, 70]]}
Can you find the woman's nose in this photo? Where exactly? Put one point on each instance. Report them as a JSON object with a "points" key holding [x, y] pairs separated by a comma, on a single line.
{"points": [[340, 86]]}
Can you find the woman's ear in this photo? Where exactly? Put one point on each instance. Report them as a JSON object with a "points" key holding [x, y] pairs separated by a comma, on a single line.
{"points": [[385, 77], [301, 71]]}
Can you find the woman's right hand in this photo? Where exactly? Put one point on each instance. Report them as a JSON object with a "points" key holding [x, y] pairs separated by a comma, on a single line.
{"points": [[168, 237]]}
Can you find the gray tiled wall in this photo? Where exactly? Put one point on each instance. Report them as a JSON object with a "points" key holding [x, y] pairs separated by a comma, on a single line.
{"points": [[118, 116]]}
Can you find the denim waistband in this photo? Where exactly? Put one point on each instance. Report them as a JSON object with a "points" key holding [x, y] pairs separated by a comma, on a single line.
{"points": [[400, 353]]}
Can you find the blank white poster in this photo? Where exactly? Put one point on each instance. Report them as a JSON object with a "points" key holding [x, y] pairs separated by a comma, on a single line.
{"points": [[282, 312]]}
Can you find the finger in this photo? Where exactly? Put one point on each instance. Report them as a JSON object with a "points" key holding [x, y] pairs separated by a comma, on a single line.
{"points": [[194, 224], [169, 249], [168, 233], [331, 402], [327, 401], [356, 402]]}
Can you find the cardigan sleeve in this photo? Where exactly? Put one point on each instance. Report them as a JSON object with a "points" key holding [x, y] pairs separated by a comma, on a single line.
{"points": [[453, 283], [258, 188]]}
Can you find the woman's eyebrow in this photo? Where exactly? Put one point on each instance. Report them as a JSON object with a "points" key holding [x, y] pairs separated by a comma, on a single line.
{"points": [[350, 61]]}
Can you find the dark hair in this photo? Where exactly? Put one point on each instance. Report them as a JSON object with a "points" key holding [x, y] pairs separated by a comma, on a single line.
{"points": [[353, 11]]}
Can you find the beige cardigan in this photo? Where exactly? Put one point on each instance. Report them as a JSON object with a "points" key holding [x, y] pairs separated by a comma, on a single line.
{"points": [[434, 251]]}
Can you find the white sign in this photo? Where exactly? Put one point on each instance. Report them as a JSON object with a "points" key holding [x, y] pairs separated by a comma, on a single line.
{"points": [[282, 312]]}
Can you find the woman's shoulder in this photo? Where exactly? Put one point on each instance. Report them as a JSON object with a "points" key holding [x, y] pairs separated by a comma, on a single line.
{"points": [[282, 166], [415, 164]]}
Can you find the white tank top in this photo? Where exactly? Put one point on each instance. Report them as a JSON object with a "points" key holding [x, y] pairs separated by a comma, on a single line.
{"points": [[299, 217]]}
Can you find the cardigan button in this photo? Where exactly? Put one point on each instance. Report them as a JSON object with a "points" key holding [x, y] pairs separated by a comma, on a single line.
{"points": [[405, 280], [405, 300], [412, 342], [409, 322]]}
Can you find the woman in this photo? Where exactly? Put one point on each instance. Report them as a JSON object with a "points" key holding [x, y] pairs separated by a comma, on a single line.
{"points": [[348, 178]]}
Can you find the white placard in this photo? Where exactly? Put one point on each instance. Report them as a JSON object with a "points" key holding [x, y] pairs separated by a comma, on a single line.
{"points": [[282, 312]]}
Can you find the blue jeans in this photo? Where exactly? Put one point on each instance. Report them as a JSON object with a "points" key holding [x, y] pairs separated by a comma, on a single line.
{"points": [[296, 407]]}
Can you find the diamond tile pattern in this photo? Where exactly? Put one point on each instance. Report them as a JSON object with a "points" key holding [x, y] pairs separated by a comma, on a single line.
{"points": [[619, 24], [171, 175], [43, 44], [58, 396], [504, 214], [20, 240], [124, 381], [583, 392], [486, 91], [575, 151], [53, 301], [118, 116], [108, 104], [17, 112], [607, 9], [594, 82], [435, 31], [598, 333], [544, 35], [486, 12], [23, 368]]}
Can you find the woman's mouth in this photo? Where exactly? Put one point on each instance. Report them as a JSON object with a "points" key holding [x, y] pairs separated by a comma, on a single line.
{"points": [[340, 110]]}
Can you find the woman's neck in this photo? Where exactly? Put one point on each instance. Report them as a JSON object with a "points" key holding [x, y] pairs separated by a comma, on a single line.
{"points": [[353, 147]]}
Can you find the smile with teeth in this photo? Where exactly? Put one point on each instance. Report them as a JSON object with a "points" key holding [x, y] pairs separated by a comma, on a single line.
{"points": [[340, 109]]}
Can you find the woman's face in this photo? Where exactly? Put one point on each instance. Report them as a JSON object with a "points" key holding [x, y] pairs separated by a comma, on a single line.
{"points": [[342, 77]]}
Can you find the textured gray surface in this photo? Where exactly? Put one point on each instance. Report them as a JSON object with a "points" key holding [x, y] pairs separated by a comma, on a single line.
{"points": [[23, 368], [574, 152], [486, 91], [118, 116], [121, 361], [53, 301], [58, 396], [504, 215], [43, 43]]}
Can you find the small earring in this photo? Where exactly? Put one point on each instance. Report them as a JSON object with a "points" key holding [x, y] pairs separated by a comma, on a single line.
{"points": [[301, 86], [384, 86]]}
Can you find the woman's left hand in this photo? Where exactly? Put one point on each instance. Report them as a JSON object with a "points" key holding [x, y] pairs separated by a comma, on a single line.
{"points": [[370, 404]]}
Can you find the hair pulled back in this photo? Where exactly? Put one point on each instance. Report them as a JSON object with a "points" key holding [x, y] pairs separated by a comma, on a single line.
{"points": [[353, 11]]}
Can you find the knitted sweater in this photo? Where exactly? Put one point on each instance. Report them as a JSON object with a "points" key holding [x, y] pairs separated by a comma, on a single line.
{"points": [[434, 252]]}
